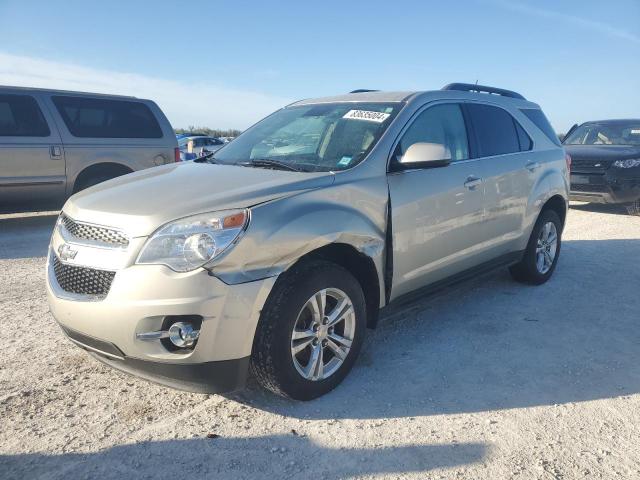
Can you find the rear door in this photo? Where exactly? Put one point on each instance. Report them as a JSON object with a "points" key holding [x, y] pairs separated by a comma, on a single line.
{"points": [[437, 213], [504, 149], [32, 164], [120, 132]]}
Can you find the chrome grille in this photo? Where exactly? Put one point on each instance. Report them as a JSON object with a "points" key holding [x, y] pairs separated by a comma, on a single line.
{"points": [[93, 233], [82, 280]]}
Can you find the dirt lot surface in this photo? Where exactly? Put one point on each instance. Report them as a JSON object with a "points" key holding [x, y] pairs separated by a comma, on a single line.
{"points": [[488, 380]]}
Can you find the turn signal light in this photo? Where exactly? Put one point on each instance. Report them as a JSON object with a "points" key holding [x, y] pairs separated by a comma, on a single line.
{"points": [[234, 221]]}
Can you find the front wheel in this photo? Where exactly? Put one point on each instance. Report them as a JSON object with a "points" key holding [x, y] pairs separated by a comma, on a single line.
{"points": [[543, 250], [310, 331]]}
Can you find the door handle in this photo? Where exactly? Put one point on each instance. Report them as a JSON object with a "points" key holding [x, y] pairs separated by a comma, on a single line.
{"points": [[472, 182], [532, 166], [55, 152]]}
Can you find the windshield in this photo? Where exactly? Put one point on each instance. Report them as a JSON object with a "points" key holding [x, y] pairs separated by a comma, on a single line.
{"points": [[325, 137], [605, 134]]}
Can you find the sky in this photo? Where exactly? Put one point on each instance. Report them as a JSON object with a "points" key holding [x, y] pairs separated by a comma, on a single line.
{"points": [[226, 64]]}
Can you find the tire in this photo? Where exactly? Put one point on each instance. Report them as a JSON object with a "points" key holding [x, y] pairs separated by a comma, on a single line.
{"points": [[529, 270], [273, 362]]}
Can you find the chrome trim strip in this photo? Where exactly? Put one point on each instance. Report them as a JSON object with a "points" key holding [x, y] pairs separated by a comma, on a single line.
{"points": [[153, 335], [70, 238], [87, 347]]}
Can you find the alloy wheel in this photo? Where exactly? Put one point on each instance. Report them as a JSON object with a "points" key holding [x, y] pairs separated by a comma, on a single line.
{"points": [[546, 247], [323, 334]]}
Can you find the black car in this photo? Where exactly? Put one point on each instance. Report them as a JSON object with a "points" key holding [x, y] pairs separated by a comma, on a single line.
{"points": [[605, 164]]}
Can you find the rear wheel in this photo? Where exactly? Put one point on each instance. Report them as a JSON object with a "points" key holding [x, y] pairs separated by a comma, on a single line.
{"points": [[310, 331], [542, 252]]}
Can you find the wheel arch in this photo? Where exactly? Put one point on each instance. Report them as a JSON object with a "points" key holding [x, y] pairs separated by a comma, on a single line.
{"points": [[114, 168], [361, 266], [558, 204]]}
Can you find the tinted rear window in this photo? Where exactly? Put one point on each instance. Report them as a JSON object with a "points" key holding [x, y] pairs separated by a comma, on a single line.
{"points": [[102, 118], [495, 130], [537, 117], [20, 116]]}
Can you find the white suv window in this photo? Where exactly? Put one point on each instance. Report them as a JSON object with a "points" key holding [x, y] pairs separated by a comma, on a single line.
{"points": [[20, 116]]}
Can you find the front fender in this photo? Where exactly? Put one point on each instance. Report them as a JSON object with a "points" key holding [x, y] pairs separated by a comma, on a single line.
{"points": [[284, 230]]}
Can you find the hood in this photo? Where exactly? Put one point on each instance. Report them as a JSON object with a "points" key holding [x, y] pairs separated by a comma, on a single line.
{"points": [[141, 202], [602, 152]]}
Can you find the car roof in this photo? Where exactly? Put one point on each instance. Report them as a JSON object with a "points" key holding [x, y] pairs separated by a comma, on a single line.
{"points": [[416, 96], [27, 90], [613, 121]]}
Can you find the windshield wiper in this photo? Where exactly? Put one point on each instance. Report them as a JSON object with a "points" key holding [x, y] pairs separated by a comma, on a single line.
{"points": [[267, 162], [206, 158]]}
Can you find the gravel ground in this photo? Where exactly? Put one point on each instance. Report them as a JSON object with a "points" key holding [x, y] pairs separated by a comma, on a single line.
{"points": [[488, 380]]}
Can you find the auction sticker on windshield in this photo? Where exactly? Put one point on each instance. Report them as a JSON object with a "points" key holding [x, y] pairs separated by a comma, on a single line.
{"points": [[367, 115]]}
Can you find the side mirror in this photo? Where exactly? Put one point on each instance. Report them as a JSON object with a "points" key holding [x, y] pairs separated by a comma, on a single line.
{"points": [[425, 155]]}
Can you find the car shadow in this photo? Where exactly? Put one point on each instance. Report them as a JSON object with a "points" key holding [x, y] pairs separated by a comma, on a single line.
{"points": [[493, 344], [277, 456], [25, 236], [612, 209]]}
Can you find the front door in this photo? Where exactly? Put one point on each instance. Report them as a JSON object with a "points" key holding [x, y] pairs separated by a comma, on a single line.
{"points": [[436, 213], [32, 166]]}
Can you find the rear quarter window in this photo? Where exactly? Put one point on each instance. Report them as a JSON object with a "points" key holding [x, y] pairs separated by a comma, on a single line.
{"points": [[105, 118], [540, 120], [20, 116]]}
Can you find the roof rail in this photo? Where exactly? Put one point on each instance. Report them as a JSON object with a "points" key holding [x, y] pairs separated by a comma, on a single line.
{"points": [[363, 90], [470, 87]]}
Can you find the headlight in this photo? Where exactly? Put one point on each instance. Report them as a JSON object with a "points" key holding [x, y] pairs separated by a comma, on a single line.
{"points": [[191, 242], [630, 163]]}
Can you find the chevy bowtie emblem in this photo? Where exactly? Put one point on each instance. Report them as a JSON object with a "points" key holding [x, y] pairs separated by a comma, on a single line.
{"points": [[65, 252]]}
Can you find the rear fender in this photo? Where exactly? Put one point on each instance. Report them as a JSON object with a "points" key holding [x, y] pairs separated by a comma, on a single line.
{"points": [[552, 182]]}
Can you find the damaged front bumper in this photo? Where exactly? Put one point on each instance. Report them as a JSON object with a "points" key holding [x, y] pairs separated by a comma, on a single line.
{"points": [[141, 299]]}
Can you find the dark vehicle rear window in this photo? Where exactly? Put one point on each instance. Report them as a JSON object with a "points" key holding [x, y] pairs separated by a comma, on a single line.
{"points": [[495, 130], [20, 116], [102, 118], [537, 117]]}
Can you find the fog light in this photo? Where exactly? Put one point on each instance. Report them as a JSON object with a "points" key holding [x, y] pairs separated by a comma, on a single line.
{"points": [[183, 335]]}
